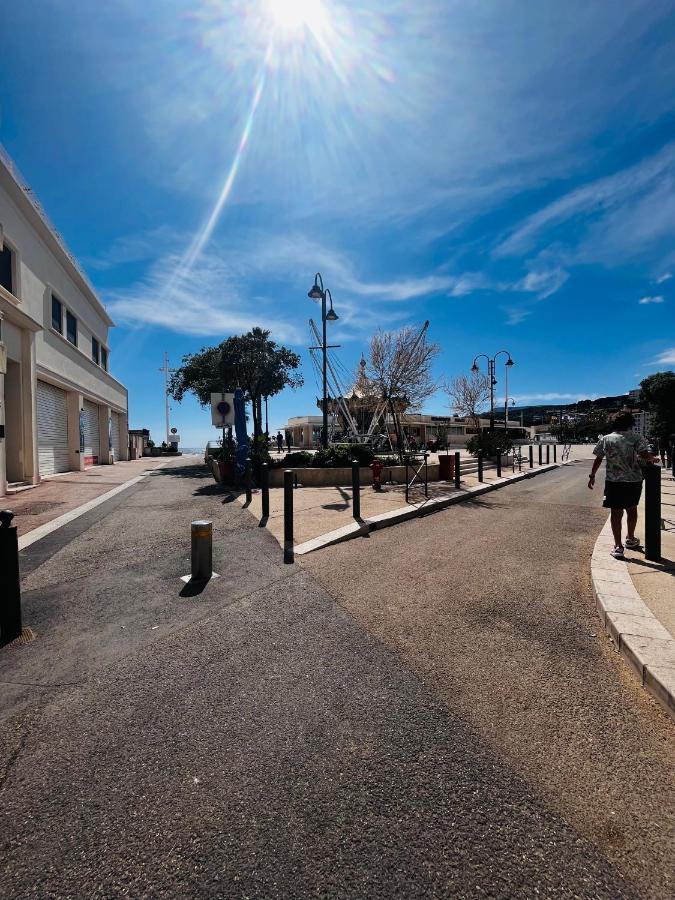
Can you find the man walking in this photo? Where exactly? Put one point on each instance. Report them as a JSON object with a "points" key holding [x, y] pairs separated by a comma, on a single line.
{"points": [[623, 451], [280, 442]]}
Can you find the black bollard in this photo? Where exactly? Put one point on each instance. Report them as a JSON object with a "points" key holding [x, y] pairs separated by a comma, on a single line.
{"points": [[458, 474], [548, 454], [499, 463], [10, 607], [540, 449], [288, 516], [653, 512], [479, 457], [265, 488], [531, 449], [555, 455], [356, 490], [247, 480]]}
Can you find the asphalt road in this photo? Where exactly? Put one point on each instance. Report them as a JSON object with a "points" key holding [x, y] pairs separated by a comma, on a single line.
{"points": [[269, 738]]}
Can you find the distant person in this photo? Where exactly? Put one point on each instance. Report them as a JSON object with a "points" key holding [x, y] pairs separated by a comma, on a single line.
{"points": [[622, 449], [288, 441], [280, 442]]}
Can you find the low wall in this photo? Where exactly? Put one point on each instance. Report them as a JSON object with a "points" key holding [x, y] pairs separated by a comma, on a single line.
{"points": [[343, 475]]}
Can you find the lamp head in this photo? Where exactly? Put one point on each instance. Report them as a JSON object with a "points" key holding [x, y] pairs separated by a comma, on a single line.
{"points": [[509, 362], [474, 368], [315, 292], [331, 315]]}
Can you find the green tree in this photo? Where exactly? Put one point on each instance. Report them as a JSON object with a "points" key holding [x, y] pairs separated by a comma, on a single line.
{"points": [[251, 361], [658, 392]]}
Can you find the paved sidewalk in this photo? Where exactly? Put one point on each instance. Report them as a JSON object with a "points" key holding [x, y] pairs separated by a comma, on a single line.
{"points": [[61, 494]]}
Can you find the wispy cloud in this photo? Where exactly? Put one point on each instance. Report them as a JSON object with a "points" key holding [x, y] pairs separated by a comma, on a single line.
{"points": [[644, 300], [667, 358], [554, 396], [135, 248], [665, 277]]}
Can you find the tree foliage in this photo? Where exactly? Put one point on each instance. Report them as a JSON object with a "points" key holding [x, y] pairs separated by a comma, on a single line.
{"points": [[251, 361], [469, 395], [658, 391]]}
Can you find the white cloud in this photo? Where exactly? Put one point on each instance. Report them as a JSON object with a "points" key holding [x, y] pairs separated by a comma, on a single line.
{"points": [[542, 282], [134, 248], [554, 396], [667, 358], [665, 277], [645, 300]]}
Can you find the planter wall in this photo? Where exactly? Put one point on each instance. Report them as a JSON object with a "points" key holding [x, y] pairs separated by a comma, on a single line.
{"points": [[342, 476]]}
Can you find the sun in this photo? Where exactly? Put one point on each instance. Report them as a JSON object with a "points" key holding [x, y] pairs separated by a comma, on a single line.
{"points": [[290, 18]]}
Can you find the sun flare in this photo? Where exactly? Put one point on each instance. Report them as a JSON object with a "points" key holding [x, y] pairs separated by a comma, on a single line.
{"points": [[290, 18]]}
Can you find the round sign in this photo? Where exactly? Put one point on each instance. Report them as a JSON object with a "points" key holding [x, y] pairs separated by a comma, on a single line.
{"points": [[174, 431], [223, 407]]}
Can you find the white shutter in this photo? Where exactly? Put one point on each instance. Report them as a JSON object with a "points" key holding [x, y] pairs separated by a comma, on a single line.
{"points": [[116, 434], [92, 446], [52, 420]]}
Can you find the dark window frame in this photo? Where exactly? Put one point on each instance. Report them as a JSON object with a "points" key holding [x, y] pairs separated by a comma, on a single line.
{"points": [[59, 303], [95, 350], [104, 358], [9, 252], [70, 318]]}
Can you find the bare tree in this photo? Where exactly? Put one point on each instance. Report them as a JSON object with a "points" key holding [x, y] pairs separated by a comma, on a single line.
{"points": [[399, 371], [469, 395]]}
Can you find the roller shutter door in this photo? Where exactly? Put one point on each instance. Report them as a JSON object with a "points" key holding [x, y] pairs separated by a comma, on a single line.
{"points": [[52, 416], [116, 435], [92, 448]]}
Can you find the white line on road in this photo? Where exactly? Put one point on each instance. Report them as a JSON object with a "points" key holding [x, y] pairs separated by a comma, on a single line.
{"points": [[43, 530]]}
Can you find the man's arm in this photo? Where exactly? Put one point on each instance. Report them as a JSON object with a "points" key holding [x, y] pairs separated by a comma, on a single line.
{"points": [[597, 462]]}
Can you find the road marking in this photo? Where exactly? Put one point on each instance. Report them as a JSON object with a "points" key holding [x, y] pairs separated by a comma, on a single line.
{"points": [[43, 530]]}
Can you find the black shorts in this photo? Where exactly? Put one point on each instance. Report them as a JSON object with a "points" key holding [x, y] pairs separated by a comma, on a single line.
{"points": [[622, 494]]}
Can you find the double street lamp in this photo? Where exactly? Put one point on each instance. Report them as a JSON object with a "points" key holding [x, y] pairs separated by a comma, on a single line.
{"points": [[492, 362], [318, 292]]}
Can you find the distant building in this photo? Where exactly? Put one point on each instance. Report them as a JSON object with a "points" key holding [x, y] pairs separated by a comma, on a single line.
{"points": [[60, 408]]}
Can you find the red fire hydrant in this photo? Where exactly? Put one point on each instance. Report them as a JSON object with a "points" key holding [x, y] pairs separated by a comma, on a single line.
{"points": [[377, 467]]}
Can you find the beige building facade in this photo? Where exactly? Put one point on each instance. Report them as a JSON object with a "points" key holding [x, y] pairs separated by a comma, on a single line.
{"points": [[60, 408]]}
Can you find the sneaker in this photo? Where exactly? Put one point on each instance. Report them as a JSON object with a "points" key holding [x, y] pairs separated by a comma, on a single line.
{"points": [[617, 553], [631, 543]]}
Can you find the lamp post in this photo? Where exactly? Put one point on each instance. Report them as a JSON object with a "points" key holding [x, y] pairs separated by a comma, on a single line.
{"points": [[492, 362], [318, 292], [506, 411]]}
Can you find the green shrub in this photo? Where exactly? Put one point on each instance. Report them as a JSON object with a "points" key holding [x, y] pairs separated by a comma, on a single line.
{"points": [[301, 459], [340, 455], [489, 442]]}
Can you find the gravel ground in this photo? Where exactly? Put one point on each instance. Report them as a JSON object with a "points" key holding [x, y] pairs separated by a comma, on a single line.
{"points": [[490, 605], [256, 740]]}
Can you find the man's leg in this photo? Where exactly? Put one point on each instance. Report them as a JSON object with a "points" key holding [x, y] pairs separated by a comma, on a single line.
{"points": [[631, 521], [617, 517]]}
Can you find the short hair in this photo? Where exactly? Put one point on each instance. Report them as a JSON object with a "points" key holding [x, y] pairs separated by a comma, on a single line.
{"points": [[624, 421]]}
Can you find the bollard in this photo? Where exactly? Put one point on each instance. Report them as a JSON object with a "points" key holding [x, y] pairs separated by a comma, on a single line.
{"points": [[10, 585], [288, 516], [499, 463], [265, 488], [247, 477], [548, 454], [202, 550], [531, 449], [457, 472], [426, 475], [540, 449], [555, 455], [356, 490], [653, 512], [479, 457]]}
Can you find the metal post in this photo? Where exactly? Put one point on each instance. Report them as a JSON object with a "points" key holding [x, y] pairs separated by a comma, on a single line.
{"points": [[426, 476], [202, 550], [247, 478], [356, 490], [10, 584], [531, 449], [406, 479], [491, 370], [265, 488], [548, 454], [653, 512], [479, 457], [288, 516], [499, 463], [458, 475], [540, 448], [555, 453], [324, 427]]}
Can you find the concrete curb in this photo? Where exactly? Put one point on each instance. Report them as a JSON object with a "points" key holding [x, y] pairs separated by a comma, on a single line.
{"points": [[639, 636], [385, 520]]}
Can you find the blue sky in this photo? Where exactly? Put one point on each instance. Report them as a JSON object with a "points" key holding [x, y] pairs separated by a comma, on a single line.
{"points": [[504, 169]]}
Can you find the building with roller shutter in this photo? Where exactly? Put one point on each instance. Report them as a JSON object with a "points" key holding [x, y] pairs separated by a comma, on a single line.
{"points": [[60, 408]]}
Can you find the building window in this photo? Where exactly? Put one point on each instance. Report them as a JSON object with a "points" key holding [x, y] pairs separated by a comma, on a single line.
{"points": [[57, 314], [71, 328], [104, 358], [95, 351], [6, 267]]}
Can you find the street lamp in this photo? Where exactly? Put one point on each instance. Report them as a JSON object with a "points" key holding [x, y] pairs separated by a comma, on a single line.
{"points": [[318, 292], [492, 362]]}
